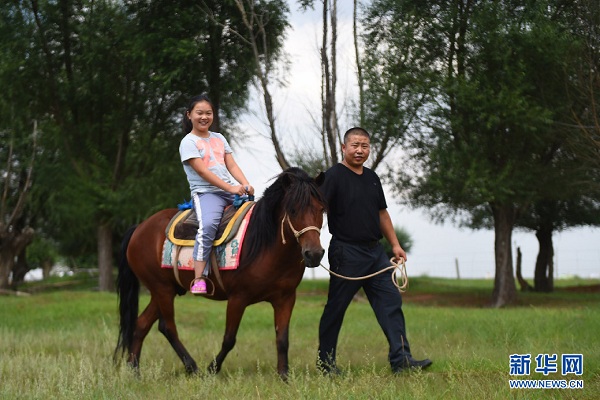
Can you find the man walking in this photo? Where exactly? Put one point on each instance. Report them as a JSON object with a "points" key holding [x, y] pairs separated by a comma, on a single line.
{"points": [[357, 217]]}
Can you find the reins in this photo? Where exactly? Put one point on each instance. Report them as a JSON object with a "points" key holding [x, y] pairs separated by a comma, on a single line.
{"points": [[297, 234], [396, 266]]}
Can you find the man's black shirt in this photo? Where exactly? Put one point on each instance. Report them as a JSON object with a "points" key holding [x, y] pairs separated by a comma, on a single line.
{"points": [[354, 202]]}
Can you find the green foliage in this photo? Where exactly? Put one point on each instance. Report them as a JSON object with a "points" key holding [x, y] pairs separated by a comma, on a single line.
{"points": [[41, 250], [16, 120], [493, 115], [500, 127], [108, 82], [395, 72], [310, 161], [404, 238], [492, 79]]}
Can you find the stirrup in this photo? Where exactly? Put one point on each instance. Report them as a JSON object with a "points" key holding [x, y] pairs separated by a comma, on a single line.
{"points": [[198, 286]]}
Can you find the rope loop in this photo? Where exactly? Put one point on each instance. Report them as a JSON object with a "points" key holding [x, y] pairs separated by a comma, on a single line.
{"points": [[398, 267]]}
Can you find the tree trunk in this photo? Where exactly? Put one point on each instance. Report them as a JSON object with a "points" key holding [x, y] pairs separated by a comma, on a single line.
{"points": [[263, 72], [505, 289], [213, 77], [47, 268], [10, 246], [544, 267], [328, 83], [358, 61], [525, 287], [105, 261], [20, 269], [7, 259]]}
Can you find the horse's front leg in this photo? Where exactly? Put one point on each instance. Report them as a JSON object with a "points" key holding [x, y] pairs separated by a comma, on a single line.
{"points": [[235, 311], [283, 312]]}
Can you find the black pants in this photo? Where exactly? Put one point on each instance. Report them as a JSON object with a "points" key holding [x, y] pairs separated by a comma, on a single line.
{"points": [[385, 299]]}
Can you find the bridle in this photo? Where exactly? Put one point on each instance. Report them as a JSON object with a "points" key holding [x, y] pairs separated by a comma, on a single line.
{"points": [[297, 234]]}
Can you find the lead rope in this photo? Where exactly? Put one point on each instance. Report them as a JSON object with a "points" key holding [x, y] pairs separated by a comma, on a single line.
{"points": [[396, 266]]}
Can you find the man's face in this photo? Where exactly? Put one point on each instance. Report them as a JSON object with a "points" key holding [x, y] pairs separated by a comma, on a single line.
{"points": [[356, 150]]}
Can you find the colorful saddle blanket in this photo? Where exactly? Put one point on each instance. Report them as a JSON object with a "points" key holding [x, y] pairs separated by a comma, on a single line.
{"points": [[181, 232]]}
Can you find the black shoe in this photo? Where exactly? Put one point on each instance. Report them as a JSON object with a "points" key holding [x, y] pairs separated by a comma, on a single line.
{"points": [[412, 364], [331, 372], [328, 369]]}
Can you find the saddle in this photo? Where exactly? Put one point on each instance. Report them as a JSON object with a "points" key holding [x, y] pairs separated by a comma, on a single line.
{"points": [[181, 234], [183, 227]]}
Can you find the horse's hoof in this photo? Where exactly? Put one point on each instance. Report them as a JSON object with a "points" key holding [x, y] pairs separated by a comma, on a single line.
{"points": [[284, 376], [135, 368], [191, 369], [213, 368]]}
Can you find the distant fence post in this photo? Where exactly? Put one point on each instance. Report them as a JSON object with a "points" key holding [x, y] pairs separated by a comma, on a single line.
{"points": [[457, 270]]}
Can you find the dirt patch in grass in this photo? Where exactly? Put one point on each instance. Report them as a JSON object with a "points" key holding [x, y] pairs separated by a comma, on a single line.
{"points": [[432, 292], [449, 299], [583, 289], [572, 296]]}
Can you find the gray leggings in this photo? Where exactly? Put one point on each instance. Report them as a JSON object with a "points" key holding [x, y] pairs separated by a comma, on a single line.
{"points": [[209, 210]]}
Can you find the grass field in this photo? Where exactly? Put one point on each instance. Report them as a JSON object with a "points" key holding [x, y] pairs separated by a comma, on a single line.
{"points": [[58, 343]]}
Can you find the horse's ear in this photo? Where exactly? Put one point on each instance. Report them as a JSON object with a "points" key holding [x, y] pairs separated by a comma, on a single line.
{"points": [[319, 179]]}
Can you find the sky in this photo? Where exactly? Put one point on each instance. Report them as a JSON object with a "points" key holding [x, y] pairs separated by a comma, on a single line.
{"points": [[438, 250]]}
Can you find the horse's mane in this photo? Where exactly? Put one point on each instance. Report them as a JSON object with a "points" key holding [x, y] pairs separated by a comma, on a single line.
{"points": [[291, 193]]}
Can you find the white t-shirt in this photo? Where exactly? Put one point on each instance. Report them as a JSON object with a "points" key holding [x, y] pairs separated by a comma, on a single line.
{"points": [[212, 151]]}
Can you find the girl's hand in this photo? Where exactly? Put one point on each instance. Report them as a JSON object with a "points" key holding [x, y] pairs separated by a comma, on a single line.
{"points": [[249, 190], [238, 189]]}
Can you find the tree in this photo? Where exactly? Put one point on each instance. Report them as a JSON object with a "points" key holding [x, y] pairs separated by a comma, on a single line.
{"points": [[571, 196], [15, 233], [42, 254], [19, 135], [548, 216], [395, 69], [327, 128], [94, 93], [565, 192], [383, 136], [262, 23], [404, 238], [112, 79], [330, 133], [489, 128], [587, 116]]}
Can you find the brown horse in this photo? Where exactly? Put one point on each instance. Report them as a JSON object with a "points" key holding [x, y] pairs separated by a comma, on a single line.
{"points": [[271, 267]]}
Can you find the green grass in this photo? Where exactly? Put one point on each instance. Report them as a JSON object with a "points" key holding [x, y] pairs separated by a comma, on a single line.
{"points": [[59, 344]]}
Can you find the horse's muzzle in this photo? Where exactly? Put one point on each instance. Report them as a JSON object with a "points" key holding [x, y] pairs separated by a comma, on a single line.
{"points": [[313, 257]]}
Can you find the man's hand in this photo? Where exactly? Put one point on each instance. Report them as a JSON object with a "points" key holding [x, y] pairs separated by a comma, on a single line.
{"points": [[399, 252]]}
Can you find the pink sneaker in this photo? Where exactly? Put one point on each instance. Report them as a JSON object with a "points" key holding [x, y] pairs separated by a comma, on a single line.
{"points": [[198, 286]]}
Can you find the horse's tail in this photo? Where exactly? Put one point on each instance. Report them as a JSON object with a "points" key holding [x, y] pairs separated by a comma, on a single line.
{"points": [[128, 290]]}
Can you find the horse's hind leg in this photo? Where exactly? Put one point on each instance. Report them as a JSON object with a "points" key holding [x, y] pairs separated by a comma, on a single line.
{"points": [[167, 327], [142, 327], [235, 311]]}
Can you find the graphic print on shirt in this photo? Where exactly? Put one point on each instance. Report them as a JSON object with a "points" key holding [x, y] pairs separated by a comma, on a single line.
{"points": [[212, 151]]}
